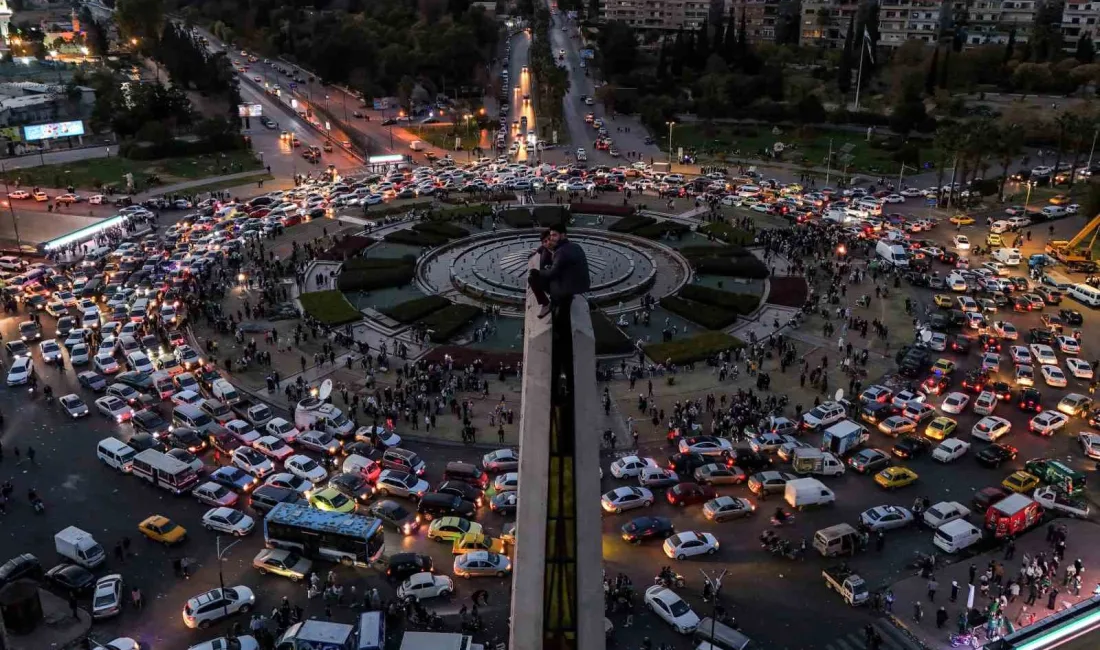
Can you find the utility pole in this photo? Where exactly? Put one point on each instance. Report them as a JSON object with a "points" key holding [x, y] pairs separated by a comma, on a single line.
{"points": [[716, 590], [11, 209], [1091, 151], [829, 162], [220, 555]]}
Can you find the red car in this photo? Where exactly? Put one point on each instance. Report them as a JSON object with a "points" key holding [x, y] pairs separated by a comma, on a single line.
{"points": [[684, 494]]}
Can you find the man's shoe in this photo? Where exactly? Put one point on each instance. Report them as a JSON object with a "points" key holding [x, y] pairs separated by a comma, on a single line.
{"points": [[544, 310]]}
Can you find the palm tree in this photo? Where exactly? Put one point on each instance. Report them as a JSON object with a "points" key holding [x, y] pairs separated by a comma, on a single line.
{"points": [[1010, 138]]}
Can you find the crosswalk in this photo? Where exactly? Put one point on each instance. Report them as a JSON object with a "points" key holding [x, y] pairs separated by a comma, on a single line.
{"points": [[892, 639]]}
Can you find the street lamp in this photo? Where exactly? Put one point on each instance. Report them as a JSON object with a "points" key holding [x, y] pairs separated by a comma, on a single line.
{"points": [[221, 555], [11, 209], [1030, 184], [716, 589], [670, 125]]}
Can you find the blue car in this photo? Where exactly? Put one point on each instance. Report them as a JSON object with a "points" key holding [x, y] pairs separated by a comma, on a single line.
{"points": [[234, 478]]}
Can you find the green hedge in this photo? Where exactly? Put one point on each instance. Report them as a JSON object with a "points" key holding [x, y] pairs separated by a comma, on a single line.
{"points": [[383, 210], [442, 228], [550, 215], [361, 263], [714, 251], [378, 277], [417, 238], [709, 316], [330, 307], [742, 303], [738, 267], [411, 311], [448, 321], [658, 230], [631, 223], [460, 212], [693, 348], [517, 217], [609, 338], [727, 233]]}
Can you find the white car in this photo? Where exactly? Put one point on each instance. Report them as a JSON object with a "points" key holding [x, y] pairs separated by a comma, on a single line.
{"points": [[188, 397], [626, 498], [956, 282], [950, 449], [79, 355], [985, 403], [384, 437], [290, 482], [228, 520], [955, 403], [105, 364], [630, 466], [107, 597], [114, 408], [282, 429], [243, 642], [20, 372], [1069, 345], [425, 585], [138, 362], [961, 242], [213, 494], [1053, 376], [204, 609], [943, 512], [252, 462], [687, 544], [1006, 330], [1044, 354], [672, 609], [50, 350], [705, 445], [1090, 444], [274, 448], [991, 428], [1047, 423], [508, 482], [1020, 355], [73, 405], [902, 398], [1079, 368], [242, 431], [306, 468]]}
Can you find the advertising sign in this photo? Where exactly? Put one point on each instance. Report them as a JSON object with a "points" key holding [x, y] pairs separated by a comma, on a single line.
{"points": [[587, 54], [381, 103], [249, 110], [13, 133], [384, 159], [54, 130]]}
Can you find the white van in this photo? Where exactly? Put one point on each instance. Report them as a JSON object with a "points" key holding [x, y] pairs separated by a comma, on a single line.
{"points": [[1007, 256], [116, 454], [956, 535], [416, 145], [1054, 211], [892, 253], [372, 631], [10, 263], [870, 206], [1085, 294], [802, 492]]}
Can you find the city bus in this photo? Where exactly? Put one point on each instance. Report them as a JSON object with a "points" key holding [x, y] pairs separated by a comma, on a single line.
{"points": [[334, 536], [164, 471]]}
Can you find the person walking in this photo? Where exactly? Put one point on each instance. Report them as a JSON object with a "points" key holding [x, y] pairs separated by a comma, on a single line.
{"points": [[932, 587], [1052, 598], [918, 611], [941, 617], [954, 590]]}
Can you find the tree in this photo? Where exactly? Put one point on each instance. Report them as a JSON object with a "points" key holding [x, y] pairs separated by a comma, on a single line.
{"points": [[730, 41], [678, 55], [1085, 52], [1009, 141], [909, 112], [662, 60], [140, 19], [810, 110], [1031, 76], [702, 43], [1010, 47], [945, 68], [618, 48], [930, 77], [1081, 134], [844, 69], [718, 46]]}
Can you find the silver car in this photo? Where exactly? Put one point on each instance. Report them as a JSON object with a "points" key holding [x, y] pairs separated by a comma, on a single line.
{"points": [[482, 563], [726, 508], [401, 484], [885, 518], [501, 460], [719, 474]]}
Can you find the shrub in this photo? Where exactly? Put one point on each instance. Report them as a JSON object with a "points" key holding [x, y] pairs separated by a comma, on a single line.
{"points": [[361, 263], [727, 233], [741, 303], [692, 348], [709, 316], [417, 238], [609, 209], [517, 217], [448, 321], [378, 277], [382, 210], [738, 267], [789, 292], [329, 307], [411, 311], [460, 212], [659, 229], [631, 223], [549, 215], [713, 251], [609, 338], [442, 228]]}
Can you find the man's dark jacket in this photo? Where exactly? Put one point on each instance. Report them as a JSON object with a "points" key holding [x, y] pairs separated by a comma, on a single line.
{"points": [[568, 274]]}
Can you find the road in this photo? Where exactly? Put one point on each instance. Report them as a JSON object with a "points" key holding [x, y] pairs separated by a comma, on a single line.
{"points": [[521, 109]]}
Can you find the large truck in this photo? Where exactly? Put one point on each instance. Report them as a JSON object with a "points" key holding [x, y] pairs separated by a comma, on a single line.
{"points": [[843, 437], [1052, 472], [1053, 499], [847, 583], [80, 547], [438, 641]]}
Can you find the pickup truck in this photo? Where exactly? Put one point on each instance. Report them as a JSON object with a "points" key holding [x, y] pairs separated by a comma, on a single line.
{"points": [[847, 583], [255, 413], [1052, 499]]}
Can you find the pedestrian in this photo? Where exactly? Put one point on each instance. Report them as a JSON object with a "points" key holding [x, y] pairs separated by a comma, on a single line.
{"points": [[918, 612], [889, 601], [120, 554], [954, 590], [73, 607], [177, 567], [932, 586], [135, 598], [941, 617], [126, 545], [880, 541], [1010, 549], [973, 572], [30, 454], [1052, 598]]}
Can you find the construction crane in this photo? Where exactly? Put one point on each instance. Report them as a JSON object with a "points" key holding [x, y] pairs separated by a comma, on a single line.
{"points": [[1070, 251]]}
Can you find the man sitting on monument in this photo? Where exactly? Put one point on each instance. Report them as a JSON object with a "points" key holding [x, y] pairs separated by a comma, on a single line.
{"points": [[566, 276]]}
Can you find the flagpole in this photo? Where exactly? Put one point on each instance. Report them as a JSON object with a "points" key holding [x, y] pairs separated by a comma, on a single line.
{"points": [[859, 77]]}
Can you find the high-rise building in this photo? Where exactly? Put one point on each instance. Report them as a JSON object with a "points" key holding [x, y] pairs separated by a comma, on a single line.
{"points": [[906, 20], [5, 20], [824, 23], [761, 18], [665, 15]]}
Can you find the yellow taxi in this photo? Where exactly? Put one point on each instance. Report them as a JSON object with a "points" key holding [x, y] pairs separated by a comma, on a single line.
{"points": [[962, 220], [943, 367], [895, 477], [1059, 199], [940, 428], [477, 542], [1020, 482], [162, 529], [944, 301], [331, 500], [994, 239]]}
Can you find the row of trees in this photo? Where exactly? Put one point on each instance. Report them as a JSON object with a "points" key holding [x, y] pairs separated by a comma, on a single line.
{"points": [[552, 80], [191, 66]]}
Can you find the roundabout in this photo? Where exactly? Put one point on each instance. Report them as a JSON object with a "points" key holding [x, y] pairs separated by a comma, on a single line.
{"points": [[492, 267]]}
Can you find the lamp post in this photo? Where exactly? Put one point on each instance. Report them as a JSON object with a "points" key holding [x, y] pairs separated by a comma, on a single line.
{"points": [[670, 124], [11, 208], [1027, 198], [716, 590], [221, 554]]}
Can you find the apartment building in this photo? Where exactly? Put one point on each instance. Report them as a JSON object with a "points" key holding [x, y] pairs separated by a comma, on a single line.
{"points": [[824, 23], [905, 20], [992, 21], [664, 15], [1080, 17], [760, 18]]}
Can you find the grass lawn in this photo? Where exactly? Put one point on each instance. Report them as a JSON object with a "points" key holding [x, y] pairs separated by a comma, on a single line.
{"points": [[249, 181], [811, 146], [94, 173], [443, 136], [330, 307]]}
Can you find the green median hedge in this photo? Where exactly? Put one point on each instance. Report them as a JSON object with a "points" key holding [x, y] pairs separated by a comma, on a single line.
{"points": [[549, 215], [737, 267], [713, 251], [727, 233], [449, 321], [329, 307], [709, 316], [411, 311], [417, 238], [692, 348], [363, 263], [742, 303], [658, 230], [442, 228], [517, 217], [631, 223], [609, 338], [369, 274]]}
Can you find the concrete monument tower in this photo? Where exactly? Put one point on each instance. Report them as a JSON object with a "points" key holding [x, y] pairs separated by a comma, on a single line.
{"points": [[5, 19]]}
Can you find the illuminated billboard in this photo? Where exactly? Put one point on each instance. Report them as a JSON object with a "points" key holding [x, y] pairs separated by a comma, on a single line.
{"points": [[54, 130], [249, 110]]}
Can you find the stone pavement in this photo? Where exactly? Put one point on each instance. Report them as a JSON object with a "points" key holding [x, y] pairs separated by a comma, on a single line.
{"points": [[58, 629], [1082, 542]]}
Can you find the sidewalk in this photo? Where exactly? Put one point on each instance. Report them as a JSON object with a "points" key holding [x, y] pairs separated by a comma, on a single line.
{"points": [[202, 182]]}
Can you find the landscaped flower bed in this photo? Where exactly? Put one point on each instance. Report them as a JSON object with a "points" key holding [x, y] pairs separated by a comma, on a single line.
{"points": [[329, 307], [368, 274], [631, 223], [463, 356], [742, 303], [448, 321], [609, 338], [692, 348], [788, 292], [709, 316], [660, 229], [411, 311], [609, 209], [517, 217], [442, 228], [549, 215], [417, 238], [727, 233]]}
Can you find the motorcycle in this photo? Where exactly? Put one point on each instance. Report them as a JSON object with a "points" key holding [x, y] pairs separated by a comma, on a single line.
{"points": [[788, 518], [920, 560], [968, 639], [675, 580]]}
